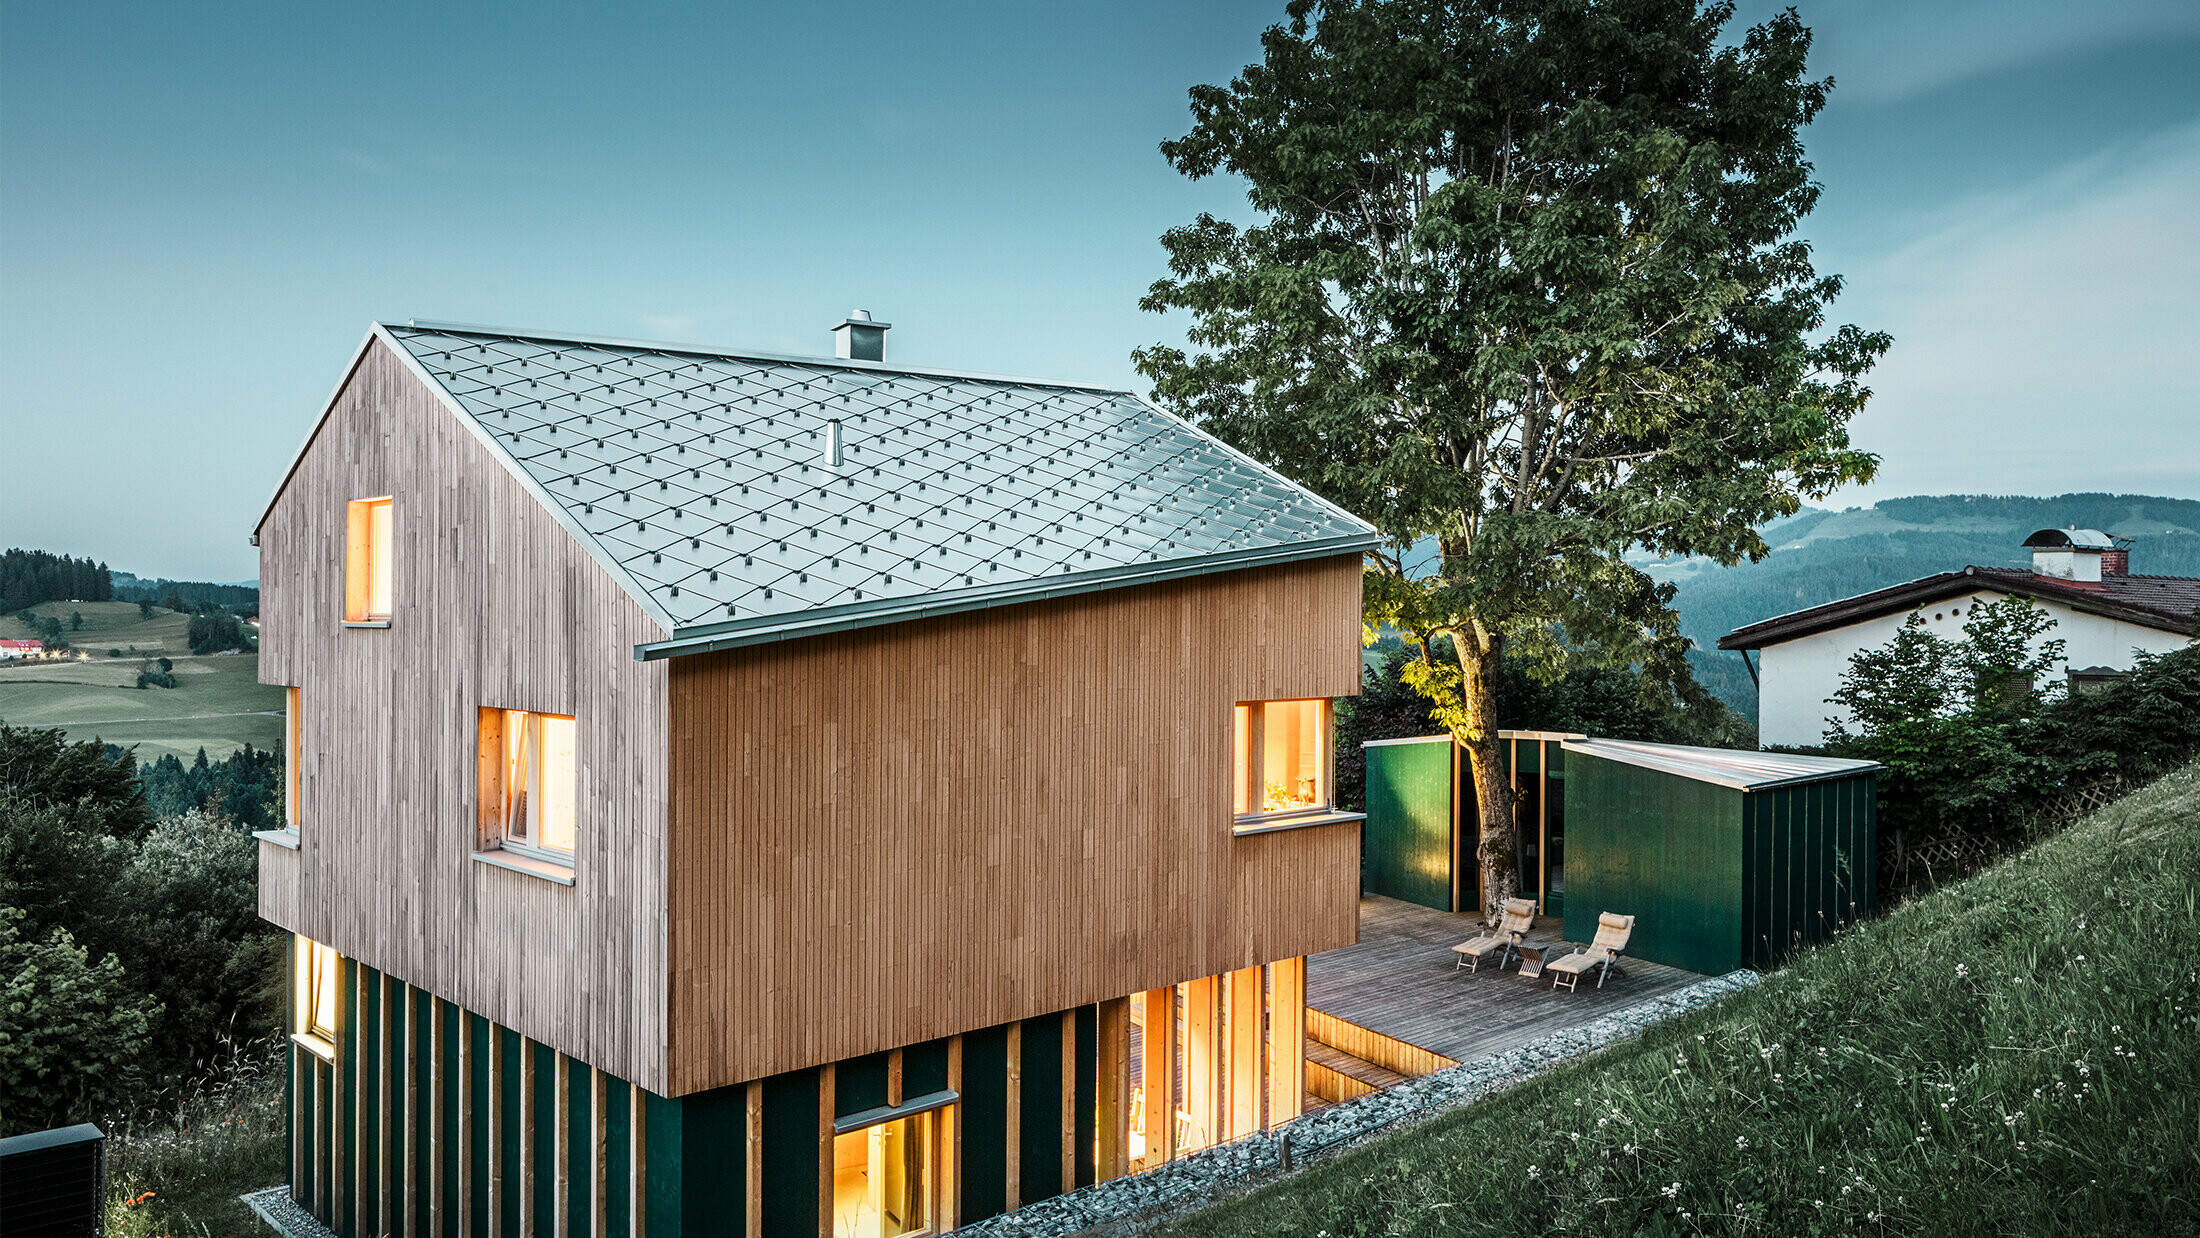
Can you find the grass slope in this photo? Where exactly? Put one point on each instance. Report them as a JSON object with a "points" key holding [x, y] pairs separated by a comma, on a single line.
{"points": [[218, 703], [2015, 1054]]}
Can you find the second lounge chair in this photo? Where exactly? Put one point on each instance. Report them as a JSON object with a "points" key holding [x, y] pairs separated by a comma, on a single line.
{"points": [[1613, 930]]}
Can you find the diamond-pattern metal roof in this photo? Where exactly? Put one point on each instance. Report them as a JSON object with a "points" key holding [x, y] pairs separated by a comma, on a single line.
{"points": [[705, 479]]}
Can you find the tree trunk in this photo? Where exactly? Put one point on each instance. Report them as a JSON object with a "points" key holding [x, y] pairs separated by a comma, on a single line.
{"points": [[1496, 851]]}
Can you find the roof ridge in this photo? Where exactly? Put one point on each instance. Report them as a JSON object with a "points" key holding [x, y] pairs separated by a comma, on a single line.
{"points": [[436, 326]]}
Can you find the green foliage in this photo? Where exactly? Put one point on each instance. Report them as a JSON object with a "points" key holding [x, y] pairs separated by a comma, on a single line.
{"points": [[246, 787], [42, 767], [179, 1169], [2009, 1055], [212, 633], [2137, 727], [72, 1033], [28, 577], [1523, 280], [155, 679], [175, 901]]}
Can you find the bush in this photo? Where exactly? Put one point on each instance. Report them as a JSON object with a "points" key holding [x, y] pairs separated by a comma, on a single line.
{"points": [[215, 632], [72, 1033], [155, 679]]}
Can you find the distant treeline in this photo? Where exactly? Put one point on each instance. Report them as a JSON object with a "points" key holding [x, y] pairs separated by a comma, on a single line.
{"points": [[28, 577], [188, 595]]}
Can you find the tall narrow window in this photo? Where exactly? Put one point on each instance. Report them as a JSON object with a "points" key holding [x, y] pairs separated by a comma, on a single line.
{"points": [[1282, 759], [369, 534], [313, 981], [883, 1179], [529, 782], [291, 724]]}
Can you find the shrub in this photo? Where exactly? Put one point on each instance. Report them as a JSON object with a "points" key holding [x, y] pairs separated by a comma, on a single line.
{"points": [[73, 1033]]}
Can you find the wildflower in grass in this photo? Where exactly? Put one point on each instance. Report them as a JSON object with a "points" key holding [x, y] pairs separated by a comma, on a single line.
{"points": [[1535, 1171], [1671, 1191], [1962, 970], [1741, 1141]]}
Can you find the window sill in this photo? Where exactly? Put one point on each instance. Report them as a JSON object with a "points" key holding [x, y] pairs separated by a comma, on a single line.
{"points": [[366, 623], [548, 871], [286, 839], [314, 1045], [1299, 821]]}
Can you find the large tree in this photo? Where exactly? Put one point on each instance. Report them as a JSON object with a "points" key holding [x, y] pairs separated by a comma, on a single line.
{"points": [[1522, 281]]}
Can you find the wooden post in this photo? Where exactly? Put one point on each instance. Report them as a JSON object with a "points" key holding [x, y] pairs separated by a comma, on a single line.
{"points": [[1543, 827], [1286, 1040], [825, 1081], [752, 1156], [385, 1107], [317, 1171], [1112, 1102], [893, 1077], [951, 1172], [1158, 1072], [599, 1186], [1244, 986], [1203, 1056], [561, 1113], [301, 1103], [1014, 1169], [437, 1112], [1069, 1100], [339, 1195], [637, 1161]]}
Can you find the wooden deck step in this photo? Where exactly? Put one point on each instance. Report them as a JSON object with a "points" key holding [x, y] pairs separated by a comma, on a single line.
{"points": [[1375, 1077]]}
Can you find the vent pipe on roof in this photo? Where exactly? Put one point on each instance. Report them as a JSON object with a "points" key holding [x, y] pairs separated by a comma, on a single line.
{"points": [[858, 338], [832, 443]]}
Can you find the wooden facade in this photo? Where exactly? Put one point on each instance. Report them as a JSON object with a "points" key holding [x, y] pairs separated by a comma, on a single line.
{"points": [[897, 833], [493, 604]]}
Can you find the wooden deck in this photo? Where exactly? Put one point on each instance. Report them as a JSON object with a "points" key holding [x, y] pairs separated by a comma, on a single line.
{"points": [[1400, 981]]}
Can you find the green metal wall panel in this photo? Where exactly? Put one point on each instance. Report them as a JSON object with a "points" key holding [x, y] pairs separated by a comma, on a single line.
{"points": [[859, 1083], [1041, 1138], [511, 1105], [1407, 838], [984, 1123], [707, 1139], [791, 1162], [924, 1068], [1662, 848]]}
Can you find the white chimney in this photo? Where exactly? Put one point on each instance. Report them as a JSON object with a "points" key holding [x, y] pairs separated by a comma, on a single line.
{"points": [[858, 338], [2069, 554]]}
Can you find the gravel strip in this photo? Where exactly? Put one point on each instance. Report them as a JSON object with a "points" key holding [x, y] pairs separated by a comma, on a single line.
{"points": [[1139, 1202], [275, 1206]]}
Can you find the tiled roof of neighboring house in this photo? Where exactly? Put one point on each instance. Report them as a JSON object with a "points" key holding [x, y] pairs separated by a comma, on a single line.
{"points": [[1745, 771], [2166, 603], [703, 480]]}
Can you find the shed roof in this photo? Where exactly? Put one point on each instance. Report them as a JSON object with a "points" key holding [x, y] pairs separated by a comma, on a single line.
{"points": [[704, 480], [1726, 767]]}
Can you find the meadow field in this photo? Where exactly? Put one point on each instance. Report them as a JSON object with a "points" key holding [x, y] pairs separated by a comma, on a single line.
{"points": [[218, 702]]}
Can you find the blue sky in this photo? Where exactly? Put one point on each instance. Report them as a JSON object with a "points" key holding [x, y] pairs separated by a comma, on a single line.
{"points": [[202, 207]]}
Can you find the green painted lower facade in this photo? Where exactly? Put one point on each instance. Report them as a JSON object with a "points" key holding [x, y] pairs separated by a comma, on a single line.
{"points": [[1422, 831], [482, 1161]]}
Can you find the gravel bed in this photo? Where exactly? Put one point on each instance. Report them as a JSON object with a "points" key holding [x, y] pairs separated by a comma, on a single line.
{"points": [[282, 1214], [1139, 1202]]}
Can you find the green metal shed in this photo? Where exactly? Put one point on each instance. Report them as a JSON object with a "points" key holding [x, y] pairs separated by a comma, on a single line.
{"points": [[1419, 839], [1726, 859]]}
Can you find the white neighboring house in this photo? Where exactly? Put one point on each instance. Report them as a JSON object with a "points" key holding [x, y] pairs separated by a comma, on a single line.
{"points": [[12, 649], [2079, 576]]}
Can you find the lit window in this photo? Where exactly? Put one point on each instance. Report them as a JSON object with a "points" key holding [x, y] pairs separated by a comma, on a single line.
{"points": [[314, 981], [529, 783], [368, 537], [1282, 758], [883, 1179], [290, 758]]}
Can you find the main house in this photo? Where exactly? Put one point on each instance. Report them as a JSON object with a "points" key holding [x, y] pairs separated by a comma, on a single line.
{"points": [[2080, 577], [752, 794]]}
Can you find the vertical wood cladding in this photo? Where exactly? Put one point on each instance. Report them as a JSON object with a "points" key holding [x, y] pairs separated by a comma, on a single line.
{"points": [[493, 604], [885, 836]]}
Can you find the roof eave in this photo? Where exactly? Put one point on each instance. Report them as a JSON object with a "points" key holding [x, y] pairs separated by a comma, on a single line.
{"points": [[1911, 594], [767, 629]]}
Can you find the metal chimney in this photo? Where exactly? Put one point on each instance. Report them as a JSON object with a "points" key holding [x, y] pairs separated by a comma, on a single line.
{"points": [[857, 338]]}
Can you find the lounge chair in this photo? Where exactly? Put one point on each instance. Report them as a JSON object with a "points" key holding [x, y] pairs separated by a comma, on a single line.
{"points": [[1612, 934], [1516, 918]]}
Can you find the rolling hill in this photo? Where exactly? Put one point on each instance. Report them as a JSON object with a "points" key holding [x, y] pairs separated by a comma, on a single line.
{"points": [[218, 702]]}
